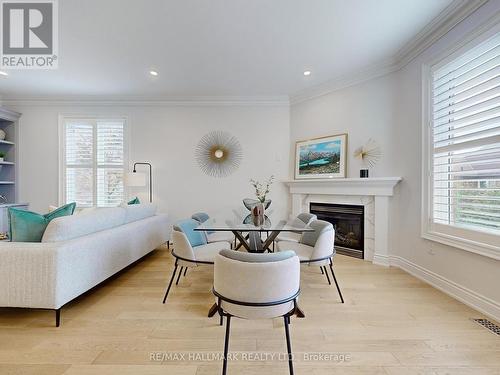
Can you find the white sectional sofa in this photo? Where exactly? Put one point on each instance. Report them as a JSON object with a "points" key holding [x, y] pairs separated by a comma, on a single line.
{"points": [[77, 253]]}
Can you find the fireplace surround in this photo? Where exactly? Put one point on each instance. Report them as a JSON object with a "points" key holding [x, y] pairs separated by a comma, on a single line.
{"points": [[374, 193]]}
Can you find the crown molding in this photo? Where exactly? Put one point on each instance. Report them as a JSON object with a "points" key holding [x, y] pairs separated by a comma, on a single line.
{"points": [[363, 75], [452, 15], [105, 101]]}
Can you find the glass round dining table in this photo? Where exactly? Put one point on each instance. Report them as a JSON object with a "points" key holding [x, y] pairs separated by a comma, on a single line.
{"points": [[254, 238]]}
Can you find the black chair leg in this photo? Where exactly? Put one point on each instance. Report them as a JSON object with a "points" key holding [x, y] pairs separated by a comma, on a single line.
{"points": [[321, 268], [221, 320], [58, 317], [327, 277], [226, 344], [288, 344], [185, 271], [336, 283], [179, 276], [170, 283]]}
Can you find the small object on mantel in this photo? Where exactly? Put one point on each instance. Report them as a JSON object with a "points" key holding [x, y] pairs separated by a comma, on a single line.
{"points": [[370, 153], [2, 135]]}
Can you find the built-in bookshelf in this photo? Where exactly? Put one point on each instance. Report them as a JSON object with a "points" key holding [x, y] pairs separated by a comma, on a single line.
{"points": [[9, 123]]}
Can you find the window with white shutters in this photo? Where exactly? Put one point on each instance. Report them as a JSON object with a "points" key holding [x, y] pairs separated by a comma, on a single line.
{"points": [[464, 134], [93, 161]]}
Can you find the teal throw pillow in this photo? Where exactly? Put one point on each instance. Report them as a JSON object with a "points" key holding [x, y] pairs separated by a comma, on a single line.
{"points": [[195, 238], [134, 201], [28, 226]]}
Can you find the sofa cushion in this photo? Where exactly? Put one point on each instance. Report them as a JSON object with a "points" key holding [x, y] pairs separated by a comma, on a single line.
{"points": [[28, 226], [86, 210], [137, 211], [69, 227]]}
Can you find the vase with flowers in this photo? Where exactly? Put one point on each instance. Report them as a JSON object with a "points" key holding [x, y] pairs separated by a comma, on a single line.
{"points": [[261, 191]]}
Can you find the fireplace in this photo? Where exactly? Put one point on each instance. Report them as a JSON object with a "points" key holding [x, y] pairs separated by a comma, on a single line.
{"points": [[348, 221]]}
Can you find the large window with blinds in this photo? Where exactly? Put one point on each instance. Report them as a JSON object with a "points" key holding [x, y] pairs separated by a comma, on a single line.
{"points": [[464, 134], [93, 161]]}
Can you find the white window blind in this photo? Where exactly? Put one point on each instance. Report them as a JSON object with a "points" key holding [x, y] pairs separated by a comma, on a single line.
{"points": [[465, 125], [93, 162]]}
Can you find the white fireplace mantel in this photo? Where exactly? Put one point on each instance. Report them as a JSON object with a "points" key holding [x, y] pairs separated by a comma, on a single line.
{"points": [[374, 186], [378, 189]]}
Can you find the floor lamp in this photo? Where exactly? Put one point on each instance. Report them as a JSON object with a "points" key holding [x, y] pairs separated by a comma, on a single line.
{"points": [[135, 179]]}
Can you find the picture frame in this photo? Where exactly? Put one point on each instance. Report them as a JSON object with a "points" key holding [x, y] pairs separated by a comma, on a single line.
{"points": [[323, 157]]}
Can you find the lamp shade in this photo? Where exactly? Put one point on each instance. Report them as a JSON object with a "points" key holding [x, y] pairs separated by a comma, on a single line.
{"points": [[134, 179]]}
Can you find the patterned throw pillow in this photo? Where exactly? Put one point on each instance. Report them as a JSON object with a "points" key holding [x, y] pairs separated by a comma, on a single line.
{"points": [[28, 226]]}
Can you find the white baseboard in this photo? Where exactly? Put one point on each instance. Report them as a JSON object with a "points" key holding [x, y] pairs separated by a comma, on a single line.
{"points": [[381, 260], [470, 298]]}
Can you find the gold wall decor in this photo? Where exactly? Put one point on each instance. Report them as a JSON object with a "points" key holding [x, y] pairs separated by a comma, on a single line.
{"points": [[370, 153], [218, 153]]}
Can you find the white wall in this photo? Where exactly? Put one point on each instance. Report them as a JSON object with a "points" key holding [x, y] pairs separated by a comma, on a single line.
{"points": [[167, 136], [363, 111], [476, 275], [389, 109]]}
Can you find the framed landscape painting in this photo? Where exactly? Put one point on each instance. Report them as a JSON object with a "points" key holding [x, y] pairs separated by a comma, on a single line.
{"points": [[321, 157]]}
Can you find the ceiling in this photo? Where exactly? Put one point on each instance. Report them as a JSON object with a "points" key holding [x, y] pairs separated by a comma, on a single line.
{"points": [[218, 47]]}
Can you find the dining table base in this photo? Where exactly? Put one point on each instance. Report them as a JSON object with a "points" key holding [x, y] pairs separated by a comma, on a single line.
{"points": [[253, 243]]}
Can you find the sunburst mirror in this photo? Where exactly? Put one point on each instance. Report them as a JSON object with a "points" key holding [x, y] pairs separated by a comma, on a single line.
{"points": [[218, 153]]}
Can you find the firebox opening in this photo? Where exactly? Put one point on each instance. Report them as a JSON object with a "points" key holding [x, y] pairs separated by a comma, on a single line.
{"points": [[348, 221]]}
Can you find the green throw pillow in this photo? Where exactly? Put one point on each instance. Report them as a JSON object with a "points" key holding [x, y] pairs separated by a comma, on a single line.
{"points": [[134, 201], [28, 226]]}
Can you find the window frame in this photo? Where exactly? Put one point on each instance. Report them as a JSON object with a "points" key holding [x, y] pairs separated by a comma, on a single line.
{"points": [[63, 118], [475, 241]]}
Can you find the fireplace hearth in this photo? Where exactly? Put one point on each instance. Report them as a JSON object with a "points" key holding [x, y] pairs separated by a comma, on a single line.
{"points": [[348, 221]]}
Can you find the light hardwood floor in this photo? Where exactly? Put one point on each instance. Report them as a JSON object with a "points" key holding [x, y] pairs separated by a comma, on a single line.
{"points": [[391, 324]]}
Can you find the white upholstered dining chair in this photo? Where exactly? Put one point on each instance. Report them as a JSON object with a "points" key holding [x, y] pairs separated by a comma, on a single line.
{"points": [[213, 236], [302, 219], [316, 249], [191, 249], [256, 286]]}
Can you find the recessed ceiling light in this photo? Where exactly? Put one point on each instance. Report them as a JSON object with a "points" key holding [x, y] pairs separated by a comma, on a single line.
{"points": [[307, 73], [3, 73], [153, 73]]}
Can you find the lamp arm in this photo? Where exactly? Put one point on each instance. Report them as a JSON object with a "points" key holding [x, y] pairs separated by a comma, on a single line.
{"points": [[150, 178]]}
